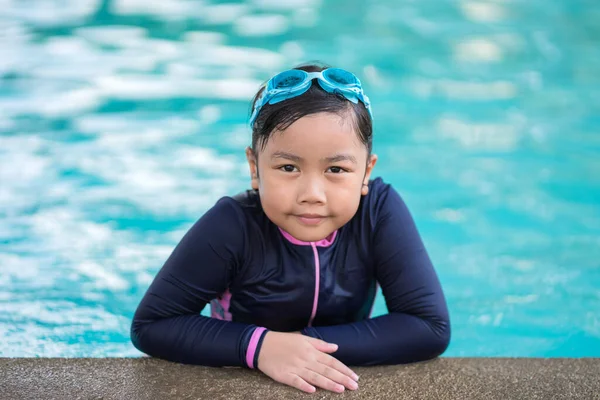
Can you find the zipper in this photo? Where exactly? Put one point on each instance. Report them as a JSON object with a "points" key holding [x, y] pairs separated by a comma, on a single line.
{"points": [[317, 283]]}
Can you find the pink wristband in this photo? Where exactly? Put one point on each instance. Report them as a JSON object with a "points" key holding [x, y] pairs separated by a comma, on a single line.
{"points": [[252, 346]]}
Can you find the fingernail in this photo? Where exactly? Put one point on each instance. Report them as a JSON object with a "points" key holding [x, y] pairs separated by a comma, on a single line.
{"points": [[340, 388], [353, 385], [355, 377]]}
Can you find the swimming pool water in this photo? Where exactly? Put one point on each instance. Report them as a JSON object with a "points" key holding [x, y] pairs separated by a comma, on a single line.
{"points": [[122, 121]]}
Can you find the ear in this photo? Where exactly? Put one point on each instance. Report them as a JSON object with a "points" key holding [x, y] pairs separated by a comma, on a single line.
{"points": [[365, 185], [253, 165]]}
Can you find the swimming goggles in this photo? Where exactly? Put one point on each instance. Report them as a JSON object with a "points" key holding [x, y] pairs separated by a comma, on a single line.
{"points": [[294, 82]]}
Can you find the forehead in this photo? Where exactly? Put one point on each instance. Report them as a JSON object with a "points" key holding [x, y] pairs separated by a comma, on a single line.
{"points": [[316, 135]]}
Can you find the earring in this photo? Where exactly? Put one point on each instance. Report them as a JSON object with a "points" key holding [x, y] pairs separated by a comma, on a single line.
{"points": [[365, 189]]}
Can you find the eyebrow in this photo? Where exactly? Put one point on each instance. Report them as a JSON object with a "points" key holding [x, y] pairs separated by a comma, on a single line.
{"points": [[341, 157], [332, 159], [286, 155]]}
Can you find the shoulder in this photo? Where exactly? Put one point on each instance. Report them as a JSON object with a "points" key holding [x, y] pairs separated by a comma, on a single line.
{"points": [[378, 190], [380, 193], [229, 213], [382, 201], [235, 211], [224, 227], [248, 201], [243, 212]]}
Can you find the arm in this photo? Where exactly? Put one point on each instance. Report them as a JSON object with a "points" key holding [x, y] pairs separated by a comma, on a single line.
{"points": [[417, 326], [167, 323]]}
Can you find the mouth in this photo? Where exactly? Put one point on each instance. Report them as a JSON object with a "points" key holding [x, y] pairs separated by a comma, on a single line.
{"points": [[310, 219]]}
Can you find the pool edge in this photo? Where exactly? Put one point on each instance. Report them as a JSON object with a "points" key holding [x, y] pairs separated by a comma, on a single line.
{"points": [[442, 378]]}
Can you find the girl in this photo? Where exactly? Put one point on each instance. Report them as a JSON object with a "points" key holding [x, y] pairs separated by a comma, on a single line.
{"points": [[291, 267]]}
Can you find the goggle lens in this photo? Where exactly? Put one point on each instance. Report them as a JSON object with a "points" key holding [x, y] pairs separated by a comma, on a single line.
{"points": [[340, 76], [288, 79]]}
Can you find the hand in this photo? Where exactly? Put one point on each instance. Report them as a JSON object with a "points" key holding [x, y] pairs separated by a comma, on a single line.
{"points": [[302, 361]]}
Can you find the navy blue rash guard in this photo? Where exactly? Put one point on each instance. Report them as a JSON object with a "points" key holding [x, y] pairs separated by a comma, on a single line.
{"points": [[256, 278]]}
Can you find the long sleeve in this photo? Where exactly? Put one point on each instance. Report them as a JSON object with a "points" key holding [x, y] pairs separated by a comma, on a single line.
{"points": [[167, 323], [417, 326]]}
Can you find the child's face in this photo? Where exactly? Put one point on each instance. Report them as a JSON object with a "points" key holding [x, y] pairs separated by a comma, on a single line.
{"points": [[311, 175]]}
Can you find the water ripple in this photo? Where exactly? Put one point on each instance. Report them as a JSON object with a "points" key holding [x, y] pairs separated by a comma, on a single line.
{"points": [[122, 121]]}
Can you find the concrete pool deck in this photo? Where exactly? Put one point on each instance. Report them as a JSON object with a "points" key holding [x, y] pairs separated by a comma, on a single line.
{"points": [[443, 378]]}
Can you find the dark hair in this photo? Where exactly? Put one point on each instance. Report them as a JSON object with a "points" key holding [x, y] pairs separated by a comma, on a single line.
{"points": [[281, 115]]}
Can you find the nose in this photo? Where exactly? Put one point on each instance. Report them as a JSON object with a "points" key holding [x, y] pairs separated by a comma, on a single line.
{"points": [[311, 191]]}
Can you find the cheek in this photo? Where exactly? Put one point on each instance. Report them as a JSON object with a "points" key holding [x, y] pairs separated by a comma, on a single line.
{"points": [[349, 197], [276, 201], [275, 190], [349, 194], [349, 185]]}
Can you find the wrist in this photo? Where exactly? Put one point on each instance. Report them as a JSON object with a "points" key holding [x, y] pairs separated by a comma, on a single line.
{"points": [[254, 347]]}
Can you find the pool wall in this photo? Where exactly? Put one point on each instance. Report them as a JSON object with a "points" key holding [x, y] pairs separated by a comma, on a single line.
{"points": [[442, 378]]}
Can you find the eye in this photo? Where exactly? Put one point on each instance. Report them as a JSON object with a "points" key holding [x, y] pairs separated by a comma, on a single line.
{"points": [[288, 168], [337, 170]]}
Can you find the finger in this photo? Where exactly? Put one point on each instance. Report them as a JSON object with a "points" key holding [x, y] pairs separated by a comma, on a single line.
{"points": [[296, 381], [319, 380], [335, 375], [322, 345], [336, 364]]}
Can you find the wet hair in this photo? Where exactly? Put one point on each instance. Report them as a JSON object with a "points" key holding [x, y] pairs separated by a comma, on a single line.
{"points": [[279, 116]]}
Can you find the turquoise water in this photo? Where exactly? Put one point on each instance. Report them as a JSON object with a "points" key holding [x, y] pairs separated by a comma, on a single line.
{"points": [[121, 122]]}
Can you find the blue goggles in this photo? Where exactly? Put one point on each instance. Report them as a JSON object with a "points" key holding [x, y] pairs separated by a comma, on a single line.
{"points": [[294, 82]]}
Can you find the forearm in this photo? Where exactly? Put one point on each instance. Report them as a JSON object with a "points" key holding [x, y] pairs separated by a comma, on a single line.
{"points": [[394, 338], [199, 340]]}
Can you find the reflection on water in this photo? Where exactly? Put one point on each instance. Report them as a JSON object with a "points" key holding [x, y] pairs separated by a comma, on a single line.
{"points": [[122, 121]]}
